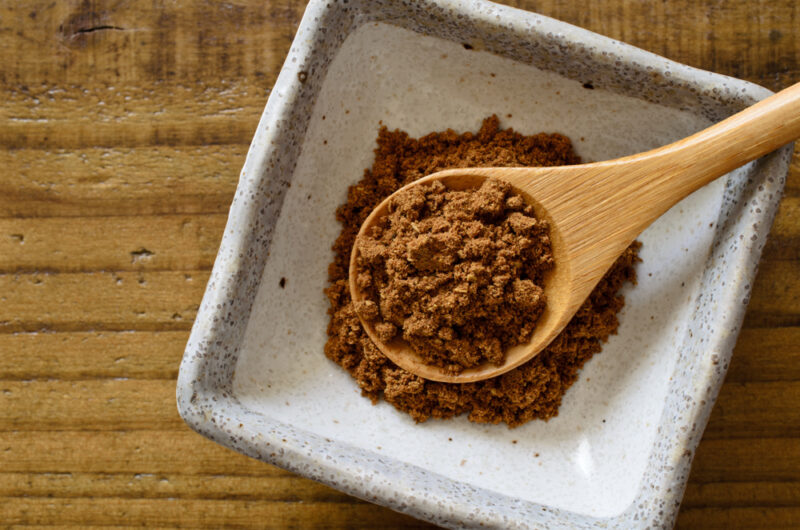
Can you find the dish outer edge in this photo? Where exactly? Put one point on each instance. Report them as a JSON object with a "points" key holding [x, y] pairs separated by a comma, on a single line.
{"points": [[204, 395]]}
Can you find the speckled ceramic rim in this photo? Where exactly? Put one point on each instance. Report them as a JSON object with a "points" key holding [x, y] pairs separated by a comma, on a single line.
{"points": [[204, 395]]}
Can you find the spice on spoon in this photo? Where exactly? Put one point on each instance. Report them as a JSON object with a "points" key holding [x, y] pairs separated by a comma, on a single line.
{"points": [[533, 390], [457, 274]]}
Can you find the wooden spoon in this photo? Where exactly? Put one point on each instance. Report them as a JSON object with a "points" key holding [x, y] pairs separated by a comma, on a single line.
{"points": [[596, 210]]}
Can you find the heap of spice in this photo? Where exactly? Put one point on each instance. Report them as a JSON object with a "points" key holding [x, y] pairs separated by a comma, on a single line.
{"points": [[533, 390], [457, 274]]}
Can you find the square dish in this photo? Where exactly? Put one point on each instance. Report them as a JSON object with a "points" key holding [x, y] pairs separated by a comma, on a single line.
{"points": [[254, 377]]}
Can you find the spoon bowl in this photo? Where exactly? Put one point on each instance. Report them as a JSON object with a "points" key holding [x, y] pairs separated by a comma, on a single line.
{"points": [[596, 210]]}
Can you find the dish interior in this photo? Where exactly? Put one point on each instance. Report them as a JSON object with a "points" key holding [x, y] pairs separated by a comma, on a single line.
{"points": [[591, 458]]}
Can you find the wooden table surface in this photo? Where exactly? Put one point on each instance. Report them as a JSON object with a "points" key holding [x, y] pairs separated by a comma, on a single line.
{"points": [[122, 131]]}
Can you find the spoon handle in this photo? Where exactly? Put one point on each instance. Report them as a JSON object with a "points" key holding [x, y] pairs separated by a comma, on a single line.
{"points": [[745, 136]]}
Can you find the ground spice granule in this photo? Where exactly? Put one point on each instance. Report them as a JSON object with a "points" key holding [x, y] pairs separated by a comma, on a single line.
{"points": [[531, 391], [457, 274]]}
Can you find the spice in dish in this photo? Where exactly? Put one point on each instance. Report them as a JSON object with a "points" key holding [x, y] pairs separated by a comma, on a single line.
{"points": [[531, 391], [457, 274]]}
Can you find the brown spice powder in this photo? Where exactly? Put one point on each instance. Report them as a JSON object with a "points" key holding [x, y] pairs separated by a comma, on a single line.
{"points": [[457, 274], [533, 390]]}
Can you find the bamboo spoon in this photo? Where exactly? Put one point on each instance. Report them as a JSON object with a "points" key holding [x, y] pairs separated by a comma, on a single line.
{"points": [[596, 210]]}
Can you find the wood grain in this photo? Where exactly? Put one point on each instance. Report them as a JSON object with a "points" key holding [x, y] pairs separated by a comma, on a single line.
{"points": [[152, 301], [91, 355], [766, 354], [119, 243], [117, 181], [123, 130], [230, 513]]}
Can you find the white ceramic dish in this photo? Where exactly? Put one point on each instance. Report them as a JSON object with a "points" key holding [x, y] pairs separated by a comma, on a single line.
{"points": [[254, 377]]}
